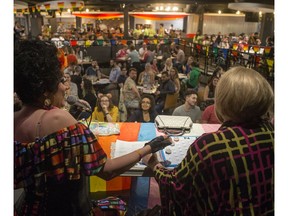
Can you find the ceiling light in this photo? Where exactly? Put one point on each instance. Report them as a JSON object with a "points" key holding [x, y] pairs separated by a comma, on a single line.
{"points": [[175, 9], [219, 12], [87, 10], [238, 12], [161, 8], [157, 8], [168, 8], [68, 10]]}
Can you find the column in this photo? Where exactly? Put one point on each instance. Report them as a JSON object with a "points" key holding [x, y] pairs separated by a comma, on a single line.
{"points": [[267, 27], [36, 25], [126, 21], [78, 22]]}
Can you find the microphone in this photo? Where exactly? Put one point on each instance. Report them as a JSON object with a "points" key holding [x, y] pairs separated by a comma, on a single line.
{"points": [[72, 100]]}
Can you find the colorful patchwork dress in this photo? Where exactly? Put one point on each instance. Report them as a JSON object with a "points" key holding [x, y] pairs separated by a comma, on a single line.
{"points": [[54, 171]]}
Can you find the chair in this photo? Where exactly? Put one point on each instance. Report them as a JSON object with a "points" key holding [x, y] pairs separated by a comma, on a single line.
{"points": [[170, 102]]}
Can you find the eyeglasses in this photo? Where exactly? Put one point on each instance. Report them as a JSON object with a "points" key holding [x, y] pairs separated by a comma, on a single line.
{"points": [[145, 102]]}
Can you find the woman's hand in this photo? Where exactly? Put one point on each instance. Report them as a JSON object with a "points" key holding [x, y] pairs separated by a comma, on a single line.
{"points": [[105, 108], [151, 161], [159, 143]]}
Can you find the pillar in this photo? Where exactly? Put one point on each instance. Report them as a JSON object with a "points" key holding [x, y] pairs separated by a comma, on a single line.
{"points": [[78, 22], [267, 27], [126, 22]]}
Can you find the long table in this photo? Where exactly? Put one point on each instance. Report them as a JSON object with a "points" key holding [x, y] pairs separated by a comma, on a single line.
{"points": [[135, 132]]}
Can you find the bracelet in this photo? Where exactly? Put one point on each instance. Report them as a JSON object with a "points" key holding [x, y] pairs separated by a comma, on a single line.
{"points": [[139, 153]]}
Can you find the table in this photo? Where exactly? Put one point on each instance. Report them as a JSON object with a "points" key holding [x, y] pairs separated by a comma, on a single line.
{"points": [[181, 76], [135, 132], [100, 84], [146, 90], [130, 131], [144, 191]]}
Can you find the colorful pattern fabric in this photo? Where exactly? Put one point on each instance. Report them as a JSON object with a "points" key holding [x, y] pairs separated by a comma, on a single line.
{"points": [[52, 171], [227, 172]]}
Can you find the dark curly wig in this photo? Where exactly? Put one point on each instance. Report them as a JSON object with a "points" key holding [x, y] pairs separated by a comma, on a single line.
{"points": [[36, 70]]}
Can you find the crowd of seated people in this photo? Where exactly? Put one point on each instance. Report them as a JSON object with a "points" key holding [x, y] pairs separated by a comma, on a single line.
{"points": [[142, 72]]}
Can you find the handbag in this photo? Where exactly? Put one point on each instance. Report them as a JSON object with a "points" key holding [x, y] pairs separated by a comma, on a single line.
{"points": [[173, 125]]}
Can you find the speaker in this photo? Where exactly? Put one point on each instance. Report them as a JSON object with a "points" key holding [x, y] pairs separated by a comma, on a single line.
{"points": [[251, 17]]}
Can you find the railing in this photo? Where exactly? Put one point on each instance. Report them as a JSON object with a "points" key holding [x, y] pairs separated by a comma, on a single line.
{"points": [[259, 58]]}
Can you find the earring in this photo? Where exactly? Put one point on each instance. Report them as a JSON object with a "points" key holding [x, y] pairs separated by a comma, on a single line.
{"points": [[47, 103]]}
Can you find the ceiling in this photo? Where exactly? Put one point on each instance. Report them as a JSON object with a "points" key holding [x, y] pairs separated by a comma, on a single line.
{"points": [[188, 6]]}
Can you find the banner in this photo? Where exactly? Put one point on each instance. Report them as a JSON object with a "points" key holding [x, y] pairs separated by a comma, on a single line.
{"points": [[159, 16], [99, 15], [60, 5], [47, 6]]}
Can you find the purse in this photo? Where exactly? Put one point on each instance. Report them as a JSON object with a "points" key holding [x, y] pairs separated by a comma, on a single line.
{"points": [[173, 125]]}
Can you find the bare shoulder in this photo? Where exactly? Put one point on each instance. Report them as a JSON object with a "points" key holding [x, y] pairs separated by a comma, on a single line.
{"points": [[56, 119]]}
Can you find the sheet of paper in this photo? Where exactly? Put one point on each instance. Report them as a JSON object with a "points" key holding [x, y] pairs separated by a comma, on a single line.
{"points": [[120, 148], [125, 147]]}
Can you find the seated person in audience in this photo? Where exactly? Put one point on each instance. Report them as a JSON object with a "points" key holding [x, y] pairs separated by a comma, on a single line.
{"points": [[168, 65], [146, 77], [113, 87], [89, 96], [115, 72], [147, 57], [105, 111], [209, 115], [218, 72], [179, 60], [154, 67], [94, 70], [76, 78], [189, 108], [193, 77], [166, 87], [175, 79], [230, 171], [122, 54], [188, 66], [209, 92], [72, 62], [122, 78], [147, 112], [72, 88], [134, 57], [131, 94], [54, 154], [142, 50], [89, 93], [165, 55]]}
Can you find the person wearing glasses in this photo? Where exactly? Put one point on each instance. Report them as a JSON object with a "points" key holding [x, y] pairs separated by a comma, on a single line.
{"points": [[105, 111], [147, 112], [54, 153]]}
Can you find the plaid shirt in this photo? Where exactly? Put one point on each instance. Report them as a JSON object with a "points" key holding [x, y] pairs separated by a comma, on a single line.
{"points": [[227, 172]]}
